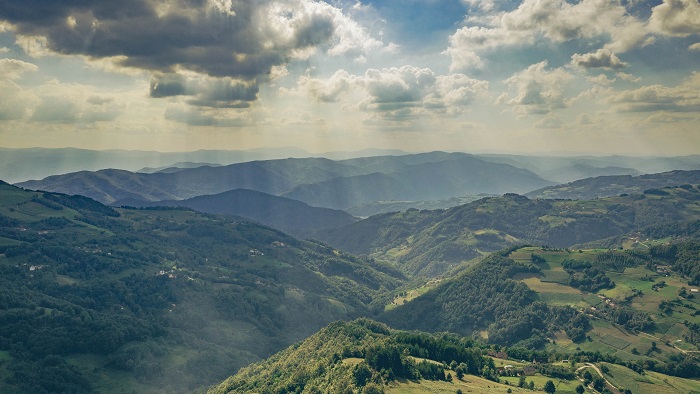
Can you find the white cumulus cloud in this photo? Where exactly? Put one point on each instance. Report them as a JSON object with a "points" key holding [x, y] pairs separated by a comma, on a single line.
{"points": [[602, 58], [13, 68], [679, 18], [537, 89], [555, 20]]}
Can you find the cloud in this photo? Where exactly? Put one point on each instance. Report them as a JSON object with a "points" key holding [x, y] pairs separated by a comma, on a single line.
{"points": [[237, 43], [537, 89], [205, 117], [602, 58], [398, 93], [54, 109], [205, 91], [15, 102], [601, 79], [682, 98], [549, 122], [556, 20], [13, 68], [327, 91], [677, 18], [628, 77]]}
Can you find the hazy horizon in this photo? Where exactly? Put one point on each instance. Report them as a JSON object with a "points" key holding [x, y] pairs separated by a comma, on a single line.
{"points": [[523, 77]]}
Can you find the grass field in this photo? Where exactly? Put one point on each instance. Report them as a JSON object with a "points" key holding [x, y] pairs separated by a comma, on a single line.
{"points": [[468, 384], [650, 382], [411, 294]]}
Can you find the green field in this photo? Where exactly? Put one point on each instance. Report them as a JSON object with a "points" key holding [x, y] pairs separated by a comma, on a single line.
{"points": [[636, 287], [468, 384], [650, 382]]}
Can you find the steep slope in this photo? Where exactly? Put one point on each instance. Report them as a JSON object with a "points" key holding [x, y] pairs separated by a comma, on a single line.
{"points": [[429, 243], [425, 181], [598, 304], [158, 300], [605, 186], [291, 216], [485, 298]]}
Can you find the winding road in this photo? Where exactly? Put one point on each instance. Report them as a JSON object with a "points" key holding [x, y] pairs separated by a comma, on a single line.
{"points": [[595, 367]]}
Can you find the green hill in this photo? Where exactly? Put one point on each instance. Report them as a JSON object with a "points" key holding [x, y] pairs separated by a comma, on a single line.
{"points": [[614, 185], [360, 355], [430, 243], [95, 299], [633, 308]]}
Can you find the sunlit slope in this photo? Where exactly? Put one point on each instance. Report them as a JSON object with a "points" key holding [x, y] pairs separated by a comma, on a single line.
{"points": [[637, 308]]}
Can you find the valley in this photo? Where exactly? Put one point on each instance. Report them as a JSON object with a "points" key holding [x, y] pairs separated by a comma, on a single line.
{"points": [[173, 295]]}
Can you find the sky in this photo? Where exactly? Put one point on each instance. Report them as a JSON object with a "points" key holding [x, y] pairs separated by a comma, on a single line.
{"points": [[533, 76]]}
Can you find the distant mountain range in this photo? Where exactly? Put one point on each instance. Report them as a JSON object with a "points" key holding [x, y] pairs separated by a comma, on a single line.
{"points": [[315, 181], [456, 175], [291, 216], [176, 167], [271, 176], [562, 169], [17, 165]]}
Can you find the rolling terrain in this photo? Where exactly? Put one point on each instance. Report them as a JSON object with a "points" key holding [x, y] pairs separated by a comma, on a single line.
{"points": [[291, 216], [430, 243], [607, 186], [158, 300], [444, 179], [315, 181]]}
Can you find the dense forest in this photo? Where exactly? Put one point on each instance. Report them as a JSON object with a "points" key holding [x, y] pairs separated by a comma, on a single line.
{"points": [[94, 298], [430, 243], [174, 298]]}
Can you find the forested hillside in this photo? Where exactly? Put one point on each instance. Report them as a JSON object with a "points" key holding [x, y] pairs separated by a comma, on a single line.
{"points": [[429, 243], [360, 355], [166, 300]]}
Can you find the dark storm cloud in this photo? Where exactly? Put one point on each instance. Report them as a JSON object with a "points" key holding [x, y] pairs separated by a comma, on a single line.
{"points": [[212, 92], [166, 37]]}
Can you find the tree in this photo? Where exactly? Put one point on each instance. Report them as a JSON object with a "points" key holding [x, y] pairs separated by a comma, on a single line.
{"points": [[373, 389], [599, 384], [521, 381], [549, 387], [580, 389], [587, 377], [531, 385]]}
